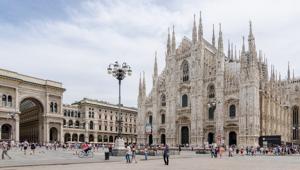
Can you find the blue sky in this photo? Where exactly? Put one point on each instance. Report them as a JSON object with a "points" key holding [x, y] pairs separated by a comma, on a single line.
{"points": [[73, 41]]}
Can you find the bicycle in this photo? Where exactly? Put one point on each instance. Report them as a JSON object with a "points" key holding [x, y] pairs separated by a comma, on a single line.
{"points": [[88, 154]]}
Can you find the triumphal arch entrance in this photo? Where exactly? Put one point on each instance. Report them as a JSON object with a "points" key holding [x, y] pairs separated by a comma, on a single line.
{"points": [[30, 108]]}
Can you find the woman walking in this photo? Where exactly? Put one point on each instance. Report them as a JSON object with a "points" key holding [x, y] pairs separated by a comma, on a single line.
{"points": [[166, 154]]}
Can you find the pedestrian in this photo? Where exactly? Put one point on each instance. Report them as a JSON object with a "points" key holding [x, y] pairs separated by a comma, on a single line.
{"points": [[128, 153], [109, 149], [166, 154], [212, 152], [146, 153], [230, 151], [32, 147], [179, 149], [133, 154], [25, 146], [5, 149]]}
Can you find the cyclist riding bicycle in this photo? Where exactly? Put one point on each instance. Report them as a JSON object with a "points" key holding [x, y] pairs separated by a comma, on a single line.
{"points": [[86, 147]]}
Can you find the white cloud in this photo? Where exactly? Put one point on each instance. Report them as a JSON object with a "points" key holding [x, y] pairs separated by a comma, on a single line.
{"points": [[77, 51]]}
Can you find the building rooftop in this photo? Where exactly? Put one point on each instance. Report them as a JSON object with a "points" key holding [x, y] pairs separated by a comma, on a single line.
{"points": [[15, 75], [104, 103]]}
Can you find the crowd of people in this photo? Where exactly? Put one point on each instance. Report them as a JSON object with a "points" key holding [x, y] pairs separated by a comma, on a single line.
{"points": [[218, 151], [29, 148]]}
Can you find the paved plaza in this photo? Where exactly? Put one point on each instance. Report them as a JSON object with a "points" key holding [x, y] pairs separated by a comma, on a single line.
{"points": [[187, 160]]}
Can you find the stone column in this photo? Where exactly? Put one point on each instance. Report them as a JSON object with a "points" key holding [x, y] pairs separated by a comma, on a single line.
{"points": [[61, 137], [46, 131], [86, 134], [17, 126]]}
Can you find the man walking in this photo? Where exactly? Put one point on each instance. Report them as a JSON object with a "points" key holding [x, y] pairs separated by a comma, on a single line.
{"points": [[5, 149], [166, 154]]}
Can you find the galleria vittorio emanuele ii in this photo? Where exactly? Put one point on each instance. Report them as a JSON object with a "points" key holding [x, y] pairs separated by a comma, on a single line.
{"points": [[205, 95]]}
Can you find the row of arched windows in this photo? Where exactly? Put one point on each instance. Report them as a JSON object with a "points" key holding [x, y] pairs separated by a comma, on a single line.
{"points": [[69, 113], [162, 118], [53, 107], [71, 124], [184, 100], [6, 100], [212, 108]]}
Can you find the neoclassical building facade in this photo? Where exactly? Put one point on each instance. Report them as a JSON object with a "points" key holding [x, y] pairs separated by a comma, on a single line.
{"points": [[205, 96], [32, 109], [95, 121]]}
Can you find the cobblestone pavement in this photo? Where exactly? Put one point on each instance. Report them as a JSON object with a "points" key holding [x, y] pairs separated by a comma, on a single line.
{"points": [[186, 161]]}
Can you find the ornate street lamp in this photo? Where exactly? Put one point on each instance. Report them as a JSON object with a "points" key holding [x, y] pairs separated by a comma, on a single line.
{"points": [[119, 72]]}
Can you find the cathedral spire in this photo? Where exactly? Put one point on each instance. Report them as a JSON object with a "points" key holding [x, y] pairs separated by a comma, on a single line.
{"points": [[293, 74], [260, 56], [235, 55], [231, 53], [279, 79], [155, 72], [220, 40], [140, 89], [194, 35], [173, 40], [251, 39], [169, 43], [243, 46], [200, 29], [144, 86], [213, 37], [228, 55], [288, 72]]}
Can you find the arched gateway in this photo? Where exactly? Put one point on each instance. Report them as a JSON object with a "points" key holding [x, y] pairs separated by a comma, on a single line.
{"points": [[31, 108], [31, 119]]}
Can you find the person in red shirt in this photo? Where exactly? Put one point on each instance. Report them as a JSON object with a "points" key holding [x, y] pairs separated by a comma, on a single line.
{"points": [[85, 147]]}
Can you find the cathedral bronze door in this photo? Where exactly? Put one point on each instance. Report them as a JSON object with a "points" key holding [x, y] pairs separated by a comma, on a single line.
{"points": [[184, 135], [232, 138], [150, 139], [210, 138], [163, 139]]}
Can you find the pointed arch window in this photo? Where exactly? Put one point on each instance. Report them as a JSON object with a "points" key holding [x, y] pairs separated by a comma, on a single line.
{"points": [[163, 100], [232, 111], [184, 100], [211, 112], [185, 71], [150, 119], [163, 118], [211, 91]]}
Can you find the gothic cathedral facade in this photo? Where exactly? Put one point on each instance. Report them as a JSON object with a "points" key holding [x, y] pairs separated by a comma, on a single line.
{"points": [[205, 96]]}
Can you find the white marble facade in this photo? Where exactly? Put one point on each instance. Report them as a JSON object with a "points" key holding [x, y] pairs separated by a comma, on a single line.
{"points": [[205, 96]]}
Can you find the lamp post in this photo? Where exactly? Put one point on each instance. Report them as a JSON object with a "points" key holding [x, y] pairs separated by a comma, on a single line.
{"points": [[119, 72]]}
